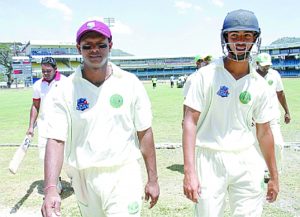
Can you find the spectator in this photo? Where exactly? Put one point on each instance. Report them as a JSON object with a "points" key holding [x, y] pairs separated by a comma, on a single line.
{"points": [[172, 80], [154, 81]]}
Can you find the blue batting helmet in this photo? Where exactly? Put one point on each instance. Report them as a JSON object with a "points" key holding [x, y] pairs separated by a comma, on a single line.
{"points": [[240, 20]]}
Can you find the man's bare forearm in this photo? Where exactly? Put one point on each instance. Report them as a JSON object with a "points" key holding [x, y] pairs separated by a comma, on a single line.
{"points": [[34, 112], [53, 161], [283, 103], [189, 139], [148, 151], [266, 142]]}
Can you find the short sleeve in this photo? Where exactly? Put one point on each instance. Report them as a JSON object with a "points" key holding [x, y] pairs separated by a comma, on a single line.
{"points": [[279, 84], [56, 115], [187, 85], [142, 114], [195, 97], [263, 112], [36, 90]]}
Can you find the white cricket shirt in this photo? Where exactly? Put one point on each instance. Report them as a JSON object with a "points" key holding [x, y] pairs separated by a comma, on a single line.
{"points": [[187, 84], [228, 107], [99, 124], [41, 89], [275, 83]]}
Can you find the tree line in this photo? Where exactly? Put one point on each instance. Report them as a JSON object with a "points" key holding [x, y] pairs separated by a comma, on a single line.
{"points": [[7, 51]]}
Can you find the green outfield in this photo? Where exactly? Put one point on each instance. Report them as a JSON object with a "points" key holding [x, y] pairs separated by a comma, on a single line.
{"points": [[22, 193], [167, 112]]}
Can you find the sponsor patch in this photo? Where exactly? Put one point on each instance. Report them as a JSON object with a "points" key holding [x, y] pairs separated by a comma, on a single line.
{"points": [[133, 208], [82, 104], [223, 91], [245, 97], [116, 101], [270, 82]]}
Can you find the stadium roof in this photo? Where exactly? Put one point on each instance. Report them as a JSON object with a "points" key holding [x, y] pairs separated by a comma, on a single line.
{"points": [[42, 42], [285, 42], [278, 46], [56, 56], [149, 57]]}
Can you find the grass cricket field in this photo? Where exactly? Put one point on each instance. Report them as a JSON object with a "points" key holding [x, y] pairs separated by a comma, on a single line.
{"points": [[21, 194]]}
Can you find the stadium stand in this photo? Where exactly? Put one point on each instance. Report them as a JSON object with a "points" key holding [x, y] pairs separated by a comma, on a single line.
{"points": [[161, 67], [285, 53], [145, 68]]}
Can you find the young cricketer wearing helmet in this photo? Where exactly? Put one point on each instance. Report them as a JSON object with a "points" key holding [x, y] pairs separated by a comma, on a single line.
{"points": [[264, 62], [101, 123], [218, 144]]}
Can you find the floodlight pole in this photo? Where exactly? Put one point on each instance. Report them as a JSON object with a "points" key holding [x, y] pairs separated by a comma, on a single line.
{"points": [[110, 21]]}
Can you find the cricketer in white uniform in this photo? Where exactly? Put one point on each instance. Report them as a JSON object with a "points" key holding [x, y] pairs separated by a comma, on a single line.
{"points": [[264, 62], [104, 125], [220, 157], [51, 78], [200, 62]]}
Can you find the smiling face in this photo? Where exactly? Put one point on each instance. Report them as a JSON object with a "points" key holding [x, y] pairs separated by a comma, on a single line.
{"points": [[240, 43], [94, 49]]}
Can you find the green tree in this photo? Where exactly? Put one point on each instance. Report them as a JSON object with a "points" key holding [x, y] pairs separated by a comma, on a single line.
{"points": [[7, 51]]}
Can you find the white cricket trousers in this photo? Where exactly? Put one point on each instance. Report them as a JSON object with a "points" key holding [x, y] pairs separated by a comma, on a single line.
{"points": [[278, 144], [42, 142], [108, 192], [239, 174]]}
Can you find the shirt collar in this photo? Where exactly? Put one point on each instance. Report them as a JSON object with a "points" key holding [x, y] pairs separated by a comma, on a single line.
{"points": [[56, 78]]}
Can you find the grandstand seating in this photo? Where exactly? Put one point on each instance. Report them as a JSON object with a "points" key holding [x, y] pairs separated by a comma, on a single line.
{"points": [[74, 64], [290, 73], [285, 58], [160, 67], [67, 59]]}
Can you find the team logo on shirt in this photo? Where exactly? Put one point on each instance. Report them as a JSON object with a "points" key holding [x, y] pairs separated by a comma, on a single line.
{"points": [[116, 101], [270, 82], [223, 91], [82, 104], [245, 97]]}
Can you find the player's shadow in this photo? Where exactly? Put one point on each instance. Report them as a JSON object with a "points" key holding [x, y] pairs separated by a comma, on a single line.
{"points": [[176, 167], [39, 184]]}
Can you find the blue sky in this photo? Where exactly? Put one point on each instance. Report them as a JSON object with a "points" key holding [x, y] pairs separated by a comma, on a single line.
{"points": [[146, 28]]}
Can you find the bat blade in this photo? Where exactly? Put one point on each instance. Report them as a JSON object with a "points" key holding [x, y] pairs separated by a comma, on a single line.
{"points": [[19, 155]]}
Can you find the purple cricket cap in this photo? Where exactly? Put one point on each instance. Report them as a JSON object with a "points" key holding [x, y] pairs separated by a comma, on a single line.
{"points": [[93, 26]]}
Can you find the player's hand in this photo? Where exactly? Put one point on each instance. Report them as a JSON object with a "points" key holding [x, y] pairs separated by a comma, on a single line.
{"points": [[273, 189], [30, 131], [51, 205], [152, 191], [287, 118], [191, 187]]}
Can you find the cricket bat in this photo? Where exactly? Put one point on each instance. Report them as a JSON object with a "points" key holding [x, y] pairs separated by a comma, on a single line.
{"points": [[19, 154]]}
